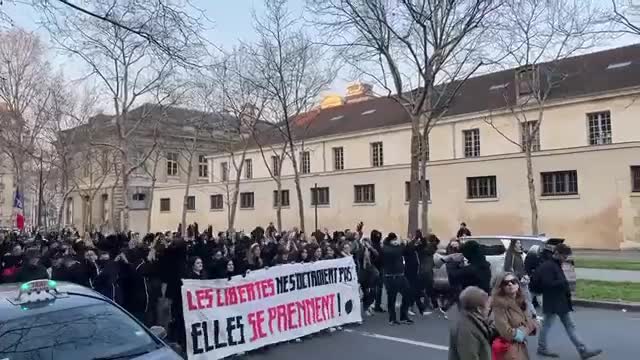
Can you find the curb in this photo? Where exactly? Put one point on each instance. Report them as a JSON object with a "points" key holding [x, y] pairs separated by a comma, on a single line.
{"points": [[608, 305]]}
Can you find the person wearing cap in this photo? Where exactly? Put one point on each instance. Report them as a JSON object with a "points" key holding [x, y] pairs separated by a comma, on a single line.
{"points": [[470, 338], [556, 303]]}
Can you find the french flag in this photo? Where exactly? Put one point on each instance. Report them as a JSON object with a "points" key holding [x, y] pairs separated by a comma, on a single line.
{"points": [[18, 205]]}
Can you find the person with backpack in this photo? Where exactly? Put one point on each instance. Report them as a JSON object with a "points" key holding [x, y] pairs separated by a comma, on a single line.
{"points": [[549, 279]]}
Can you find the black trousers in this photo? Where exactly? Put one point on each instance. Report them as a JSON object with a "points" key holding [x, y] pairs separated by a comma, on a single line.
{"points": [[426, 282], [378, 291], [397, 284], [368, 295]]}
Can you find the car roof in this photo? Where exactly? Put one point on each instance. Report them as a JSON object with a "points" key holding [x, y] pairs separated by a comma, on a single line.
{"points": [[76, 295]]}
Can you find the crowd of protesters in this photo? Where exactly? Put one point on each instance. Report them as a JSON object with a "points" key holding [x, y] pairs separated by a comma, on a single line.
{"points": [[143, 274]]}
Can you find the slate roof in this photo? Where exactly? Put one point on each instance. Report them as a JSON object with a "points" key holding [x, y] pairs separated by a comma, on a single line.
{"points": [[583, 75]]}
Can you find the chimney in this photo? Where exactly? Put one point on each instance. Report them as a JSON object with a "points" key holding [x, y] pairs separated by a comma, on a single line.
{"points": [[359, 92], [330, 101]]}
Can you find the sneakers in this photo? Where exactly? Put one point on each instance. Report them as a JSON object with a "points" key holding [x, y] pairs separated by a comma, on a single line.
{"points": [[368, 313], [407, 321], [411, 313], [426, 313], [394, 322], [547, 353], [588, 354]]}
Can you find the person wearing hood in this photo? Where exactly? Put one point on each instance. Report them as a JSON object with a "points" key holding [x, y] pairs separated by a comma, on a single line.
{"points": [[31, 268], [135, 282], [426, 249], [411, 268], [376, 243], [395, 280], [556, 303], [477, 273], [106, 282], [217, 266], [470, 338]]}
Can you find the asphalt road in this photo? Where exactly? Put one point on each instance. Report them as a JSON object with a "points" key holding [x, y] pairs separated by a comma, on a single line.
{"points": [[613, 331]]}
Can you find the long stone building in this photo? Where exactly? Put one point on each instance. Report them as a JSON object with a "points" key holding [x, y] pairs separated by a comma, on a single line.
{"points": [[356, 151]]}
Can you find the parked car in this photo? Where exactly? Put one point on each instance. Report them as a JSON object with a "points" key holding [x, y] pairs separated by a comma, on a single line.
{"points": [[496, 258]]}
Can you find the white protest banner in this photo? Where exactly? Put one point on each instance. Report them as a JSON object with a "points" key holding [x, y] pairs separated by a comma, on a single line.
{"points": [[224, 317]]}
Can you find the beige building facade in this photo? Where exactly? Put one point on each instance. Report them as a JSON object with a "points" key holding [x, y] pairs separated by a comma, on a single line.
{"points": [[586, 172]]}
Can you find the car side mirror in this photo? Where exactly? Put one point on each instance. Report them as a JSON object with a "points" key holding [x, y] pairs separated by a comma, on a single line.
{"points": [[159, 331]]}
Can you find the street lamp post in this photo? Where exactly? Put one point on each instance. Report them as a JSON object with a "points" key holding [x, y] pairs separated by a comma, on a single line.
{"points": [[315, 190]]}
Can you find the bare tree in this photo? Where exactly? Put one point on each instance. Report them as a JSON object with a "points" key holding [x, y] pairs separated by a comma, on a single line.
{"points": [[419, 51], [26, 85], [290, 69], [535, 36], [179, 35], [626, 13], [129, 69]]}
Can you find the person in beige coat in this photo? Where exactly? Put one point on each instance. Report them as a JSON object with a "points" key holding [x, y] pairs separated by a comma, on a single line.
{"points": [[511, 319]]}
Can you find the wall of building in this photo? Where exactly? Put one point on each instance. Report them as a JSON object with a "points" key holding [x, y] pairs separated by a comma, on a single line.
{"points": [[603, 215]]}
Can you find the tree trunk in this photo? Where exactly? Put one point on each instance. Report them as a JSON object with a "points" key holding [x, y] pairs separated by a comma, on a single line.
{"points": [[236, 191], [423, 183], [412, 216], [279, 205], [296, 180], [532, 191], [125, 195], [151, 190], [186, 196]]}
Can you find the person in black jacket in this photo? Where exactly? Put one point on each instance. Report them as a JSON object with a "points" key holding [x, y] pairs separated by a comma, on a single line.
{"points": [[426, 249], [556, 302], [477, 273], [196, 269], [376, 243], [31, 268], [106, 283], [395, 280], [411, 267]]}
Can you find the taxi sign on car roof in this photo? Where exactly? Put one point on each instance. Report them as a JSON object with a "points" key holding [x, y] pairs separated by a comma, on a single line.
{"points": [[36, 291]]}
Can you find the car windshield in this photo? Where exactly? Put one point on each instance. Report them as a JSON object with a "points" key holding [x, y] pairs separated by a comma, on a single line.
{"points": [[80, 333]]}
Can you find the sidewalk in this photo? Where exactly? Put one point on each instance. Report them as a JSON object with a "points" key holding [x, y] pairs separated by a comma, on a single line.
{"points": [[608, 275]]}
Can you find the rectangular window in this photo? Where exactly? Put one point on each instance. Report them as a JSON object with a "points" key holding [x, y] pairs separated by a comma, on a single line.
{"points": [[203, 166], [191, 202], [471, 142], [224, 171], [377, 157], [635, 178], [172, 164], [599, 128], [283, 198], [407, 191], [248, 169], [481, 187], [364, 194], [246, 200], [338, 158], [559, 183], [216, 202], [528, 133], [165, 204], [320, 196], [526, 81], [275, 165], [305, 162]]}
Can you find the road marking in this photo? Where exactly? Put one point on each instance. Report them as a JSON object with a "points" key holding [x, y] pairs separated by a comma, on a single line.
{"points": [[400, 340]]}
